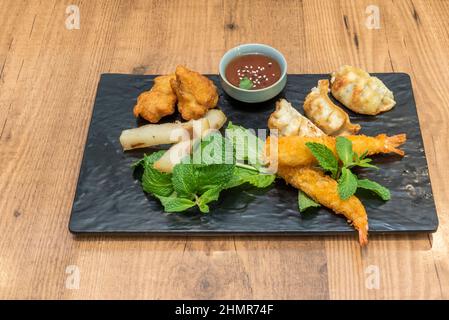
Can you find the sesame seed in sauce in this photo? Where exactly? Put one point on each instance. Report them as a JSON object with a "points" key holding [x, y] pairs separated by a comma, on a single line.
{"points": [[261, 70]]}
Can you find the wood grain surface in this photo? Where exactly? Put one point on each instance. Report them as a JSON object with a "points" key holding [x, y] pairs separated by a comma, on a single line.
{"points": [[48, 78]]}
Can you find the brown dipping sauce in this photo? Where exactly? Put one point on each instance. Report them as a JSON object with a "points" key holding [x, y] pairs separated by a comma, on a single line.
{"points": [[263, 71]]}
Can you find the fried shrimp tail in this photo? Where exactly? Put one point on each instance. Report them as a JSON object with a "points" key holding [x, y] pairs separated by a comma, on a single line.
{"points": [[324, 190], [379, 144], [293, 151]]}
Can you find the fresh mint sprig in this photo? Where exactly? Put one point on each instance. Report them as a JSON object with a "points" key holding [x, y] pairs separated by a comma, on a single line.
{"points": [[198, 184], [340, 168], [325, 157], [304, 202]]}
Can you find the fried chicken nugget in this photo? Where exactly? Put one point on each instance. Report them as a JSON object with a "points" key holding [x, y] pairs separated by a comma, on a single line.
{"points": [[196, 93], [158, 102], [292, 151], [324, 190]]}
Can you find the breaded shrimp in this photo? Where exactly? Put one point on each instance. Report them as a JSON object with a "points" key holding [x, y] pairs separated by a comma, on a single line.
{"points": [[292, 151], [324, 190]]}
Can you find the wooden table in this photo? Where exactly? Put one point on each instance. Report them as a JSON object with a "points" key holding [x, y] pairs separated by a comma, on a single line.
{"points": [[48, 79]]}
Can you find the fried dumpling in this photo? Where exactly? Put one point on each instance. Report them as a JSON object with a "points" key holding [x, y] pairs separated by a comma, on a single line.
{"points": [[330, 118], [360, 92], [289, 122]]}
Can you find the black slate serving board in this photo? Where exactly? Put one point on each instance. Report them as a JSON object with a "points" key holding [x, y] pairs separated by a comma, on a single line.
{"points": [[109, 199]]}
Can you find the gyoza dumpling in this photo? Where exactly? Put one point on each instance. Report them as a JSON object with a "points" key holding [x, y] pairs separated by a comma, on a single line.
{"points": [[360, 92], [325, 114], [289, 122]]}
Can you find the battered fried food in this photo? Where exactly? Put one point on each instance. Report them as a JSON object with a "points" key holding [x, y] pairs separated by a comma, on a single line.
{"points": [[324, 190], [289, 122], [292, 151], [196, 93], [158, 102], [330, 118], [360, 92]]}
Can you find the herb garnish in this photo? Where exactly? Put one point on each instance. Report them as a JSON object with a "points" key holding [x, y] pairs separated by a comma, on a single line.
{"points": [[197, 184], [245, 83], [304, 202], [348, 182]]}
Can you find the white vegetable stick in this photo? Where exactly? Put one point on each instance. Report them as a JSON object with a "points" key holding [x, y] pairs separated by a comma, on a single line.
{"points": [[178, 151], [154, 134], [216, 118]]}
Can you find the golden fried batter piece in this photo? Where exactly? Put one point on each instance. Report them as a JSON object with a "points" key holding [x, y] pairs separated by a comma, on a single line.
{"points": [[196, 93], [330, 118], [158, 102], [360, 92], [324, 190], [289, 122], [292, 151]]}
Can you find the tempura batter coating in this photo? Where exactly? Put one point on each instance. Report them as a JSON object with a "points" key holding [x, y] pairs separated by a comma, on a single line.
{"points": [[196, 93], [324, 190], [158, 102], [330, 118], [292, 151], [360, 92], [289, 122]]}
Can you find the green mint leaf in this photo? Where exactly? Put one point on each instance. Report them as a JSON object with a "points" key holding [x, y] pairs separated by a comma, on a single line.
{"points": [[347, 184], [363, 155], [253, 177], [208, 196], [154, 181], [191, 179], [324, 156], [378, 189], [365, 163], [184, 179], [215, 175], [137, 163], [245, 83], [344, 150], [304, 202], [204, 208], [175, 204], [214, 149], [248, 147]]}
